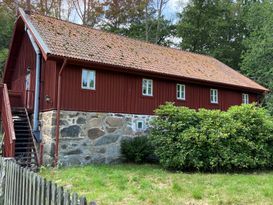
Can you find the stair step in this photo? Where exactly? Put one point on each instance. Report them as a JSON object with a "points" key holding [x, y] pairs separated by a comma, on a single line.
{"points": [[23, 143], [24, 148], [23, 133], [17, 154], [18, 130], [21, 126], [22, 138], [15, 117], [19, 113]]}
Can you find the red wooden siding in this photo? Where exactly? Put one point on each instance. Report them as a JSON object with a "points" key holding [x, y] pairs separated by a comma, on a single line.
{"points": [[122, 93], [25, 58], [48, 85]]}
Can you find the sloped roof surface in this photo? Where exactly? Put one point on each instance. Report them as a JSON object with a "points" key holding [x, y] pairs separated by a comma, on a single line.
{"points": [[83, 43]]}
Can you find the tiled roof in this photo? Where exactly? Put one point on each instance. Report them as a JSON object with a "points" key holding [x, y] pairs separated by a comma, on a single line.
{"points": [[83, 43]]}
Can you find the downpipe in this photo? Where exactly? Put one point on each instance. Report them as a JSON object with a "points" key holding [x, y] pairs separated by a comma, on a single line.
{"points": [[36, 132]]}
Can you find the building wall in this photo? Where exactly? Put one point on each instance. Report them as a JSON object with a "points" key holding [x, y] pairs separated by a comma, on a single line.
{"points": [[115, 91], [89, 137], [26, 57], [122, 93], [48, 96]]}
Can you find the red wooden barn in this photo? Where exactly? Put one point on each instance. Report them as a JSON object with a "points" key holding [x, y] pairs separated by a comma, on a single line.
{"points": [[85, 90]]}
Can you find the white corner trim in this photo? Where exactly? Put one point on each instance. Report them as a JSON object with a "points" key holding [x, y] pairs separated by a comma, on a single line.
{"points": [[34, 31]]}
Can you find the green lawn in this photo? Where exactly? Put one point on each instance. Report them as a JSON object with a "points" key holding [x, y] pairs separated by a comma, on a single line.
{"points": [[148, 184]]}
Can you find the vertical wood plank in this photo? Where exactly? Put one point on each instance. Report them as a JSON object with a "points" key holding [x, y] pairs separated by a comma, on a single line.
{"points": [[34, 188], [74, 199], [38, 192], [24, 187], [48, 193], [30, 194], [27, 188], [43, 189], [60, 198], [17, 184], [67, 200], [7, 182], [13, 184], [53, 193], [20, 185], [83, 201]]}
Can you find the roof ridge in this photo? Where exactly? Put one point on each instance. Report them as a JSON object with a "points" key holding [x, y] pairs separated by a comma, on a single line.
{"points": [[126, 37]]}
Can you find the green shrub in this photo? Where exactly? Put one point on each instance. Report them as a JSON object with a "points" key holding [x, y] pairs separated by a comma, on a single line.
{"points": [[137, 149], [212, 140]]}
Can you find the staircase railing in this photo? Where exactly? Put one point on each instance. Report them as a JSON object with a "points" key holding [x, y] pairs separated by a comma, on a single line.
{"points": [[7, 124], [33, 139]]}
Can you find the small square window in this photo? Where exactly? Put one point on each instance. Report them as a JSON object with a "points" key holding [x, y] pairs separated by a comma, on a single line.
{"points": [[88, 79], [245, 98], [180, 92], [214, 96], [147, 87], [139, 125]]}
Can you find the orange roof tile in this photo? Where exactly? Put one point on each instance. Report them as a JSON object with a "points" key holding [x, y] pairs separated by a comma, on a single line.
{"points": [[70, 40]]}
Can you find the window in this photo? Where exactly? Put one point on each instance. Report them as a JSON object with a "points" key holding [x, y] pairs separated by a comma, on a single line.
{"points": [[139, 125], [214, 96], [88, 79], [147, 87], [245, 98], [180, 92]]}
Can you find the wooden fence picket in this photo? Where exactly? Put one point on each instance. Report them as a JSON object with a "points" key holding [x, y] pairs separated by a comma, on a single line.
{"points": [[83, 201], [60, 197], [48, 193], [24, 187], [67, 200], [74, 199], [43, 189], [54, 194]]}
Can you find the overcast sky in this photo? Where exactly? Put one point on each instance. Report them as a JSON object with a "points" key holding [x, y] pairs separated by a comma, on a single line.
{"points": [[173, 7]]}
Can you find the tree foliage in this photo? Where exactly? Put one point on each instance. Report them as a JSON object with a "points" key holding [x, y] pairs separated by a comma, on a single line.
{"points": [[140, 19], [6, 25], [257, 60], [213, 27]]}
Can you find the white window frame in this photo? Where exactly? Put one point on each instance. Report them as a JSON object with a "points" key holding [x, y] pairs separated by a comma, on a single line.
{"points": [[180, 91], [245, 98], [143, 125], [88, 84], [214, 96], [147, 87]]}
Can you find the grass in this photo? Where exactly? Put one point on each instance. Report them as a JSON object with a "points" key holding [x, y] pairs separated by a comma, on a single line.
{"points": [[149, 184]]}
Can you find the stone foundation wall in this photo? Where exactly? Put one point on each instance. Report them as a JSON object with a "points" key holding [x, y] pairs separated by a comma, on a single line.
{"points": [[89, 137]]}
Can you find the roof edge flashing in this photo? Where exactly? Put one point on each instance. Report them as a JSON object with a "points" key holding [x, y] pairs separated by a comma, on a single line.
{"points": [[33, 31]]}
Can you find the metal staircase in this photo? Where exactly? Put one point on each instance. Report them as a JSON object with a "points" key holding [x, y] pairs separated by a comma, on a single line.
{"points": [[25, 149]]}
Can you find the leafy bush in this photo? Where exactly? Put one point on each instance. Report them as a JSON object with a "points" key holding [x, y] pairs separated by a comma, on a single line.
{"points": [[213, 140], [137, 149]]}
